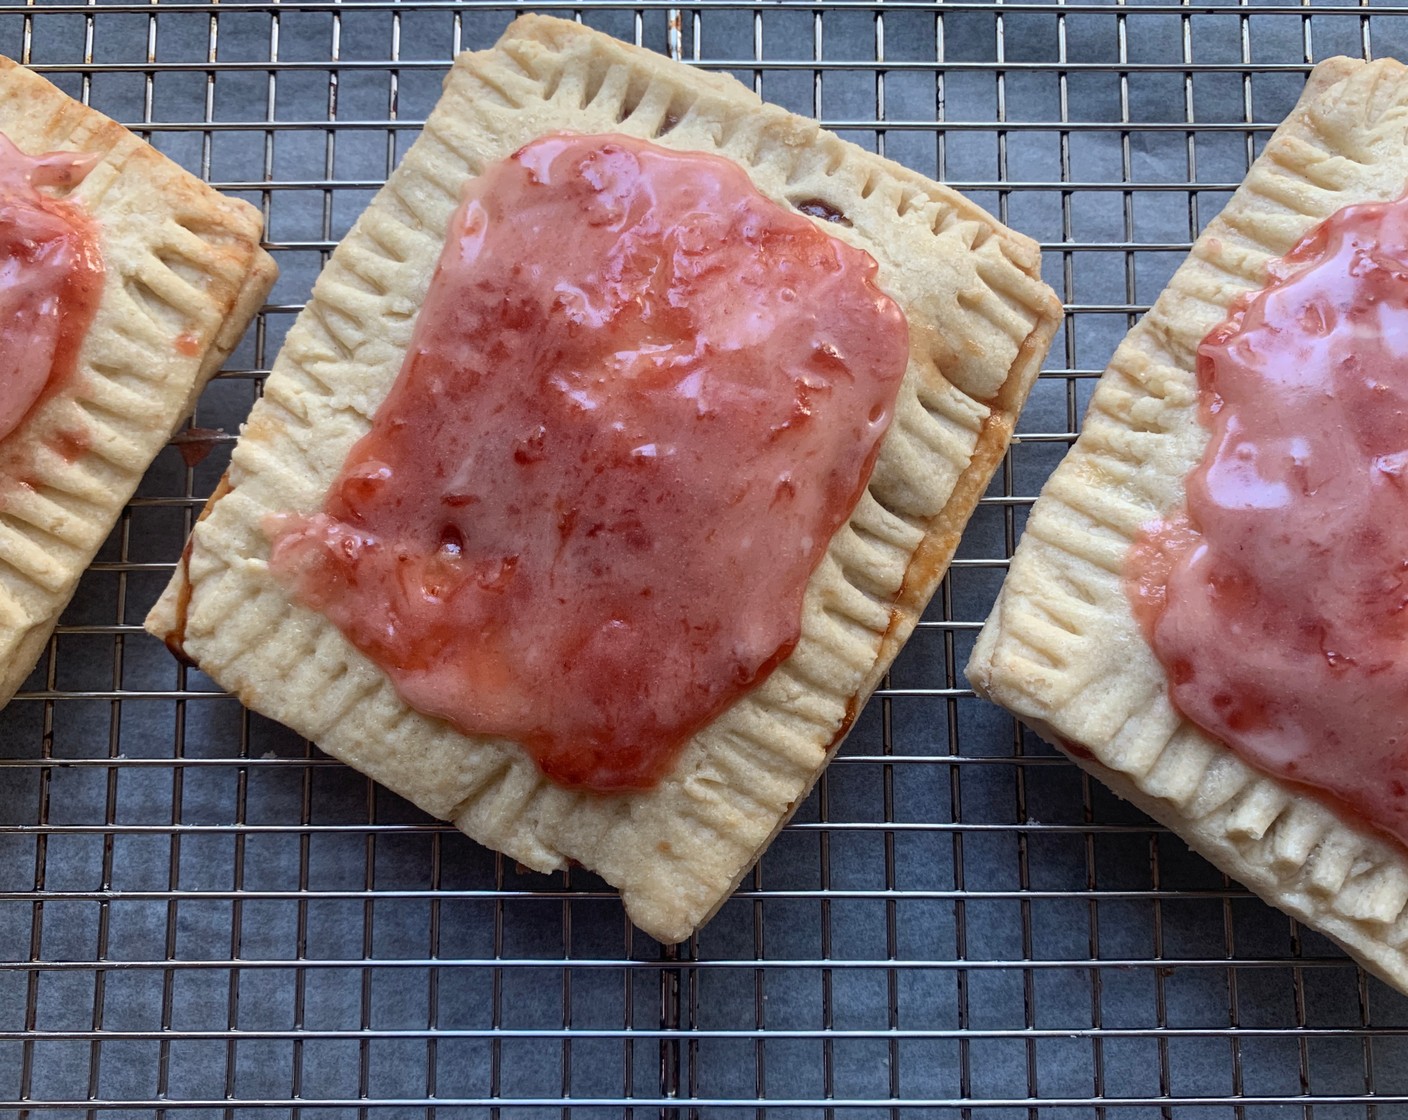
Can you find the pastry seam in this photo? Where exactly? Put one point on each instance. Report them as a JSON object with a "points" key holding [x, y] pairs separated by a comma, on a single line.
{"points": [[180, 259], [675, 851], [1061, 648]]}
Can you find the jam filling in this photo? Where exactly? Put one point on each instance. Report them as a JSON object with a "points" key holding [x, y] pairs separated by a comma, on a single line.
{"points": [[51, 277], [639, 400], [1276, 601]]}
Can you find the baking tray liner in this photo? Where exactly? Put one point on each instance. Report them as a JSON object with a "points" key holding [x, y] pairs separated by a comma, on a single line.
{"points": [[201, 915]]}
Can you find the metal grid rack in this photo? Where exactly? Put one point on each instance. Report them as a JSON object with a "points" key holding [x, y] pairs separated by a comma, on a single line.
{"points": [[202, 915]]}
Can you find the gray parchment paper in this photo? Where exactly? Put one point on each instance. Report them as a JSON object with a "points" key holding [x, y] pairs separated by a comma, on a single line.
{"points": [[967, 927]]}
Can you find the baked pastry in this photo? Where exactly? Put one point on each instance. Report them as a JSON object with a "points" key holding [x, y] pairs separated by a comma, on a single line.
{"points": [[1064, 649], [980, 321], [171, 272]]}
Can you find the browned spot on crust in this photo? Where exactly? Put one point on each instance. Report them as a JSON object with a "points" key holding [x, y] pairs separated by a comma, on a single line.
{"points": [[1075, 750], [927, 341], [931, 558], [1030, 345], [853, 703], [175, 638]]}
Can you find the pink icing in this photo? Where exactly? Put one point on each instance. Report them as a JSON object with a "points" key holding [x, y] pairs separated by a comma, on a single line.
{"points": [[1277, 604], [51, 277], [640, 399]]}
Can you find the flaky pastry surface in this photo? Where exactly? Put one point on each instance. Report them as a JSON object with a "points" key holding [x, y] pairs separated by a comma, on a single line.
{"points": [[1062, 649], [184, 274], [980, 320]]}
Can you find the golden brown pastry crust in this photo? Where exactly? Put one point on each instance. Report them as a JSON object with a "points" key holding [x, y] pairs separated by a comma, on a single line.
{"points": [[1062, 649], [182, 263], [981, 321]]}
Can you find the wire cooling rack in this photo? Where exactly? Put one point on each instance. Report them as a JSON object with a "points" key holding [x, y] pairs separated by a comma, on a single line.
{"points": [[202, 915]]}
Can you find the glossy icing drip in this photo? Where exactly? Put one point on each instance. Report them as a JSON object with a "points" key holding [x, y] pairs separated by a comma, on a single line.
{"points": [[1276, 602], [640, 399], [51, 277]]}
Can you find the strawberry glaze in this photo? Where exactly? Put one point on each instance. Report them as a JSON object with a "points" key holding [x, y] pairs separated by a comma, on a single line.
{"points": [[1276, 603], [640, 399], [51, 277]]}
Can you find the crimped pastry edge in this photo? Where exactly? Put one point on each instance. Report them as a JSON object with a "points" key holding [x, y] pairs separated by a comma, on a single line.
{"points": [[1061, 649], [75, 504], [670, 881]]}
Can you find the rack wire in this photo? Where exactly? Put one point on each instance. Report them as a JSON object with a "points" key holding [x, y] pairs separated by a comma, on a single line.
{"points": [[200, 915]]}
